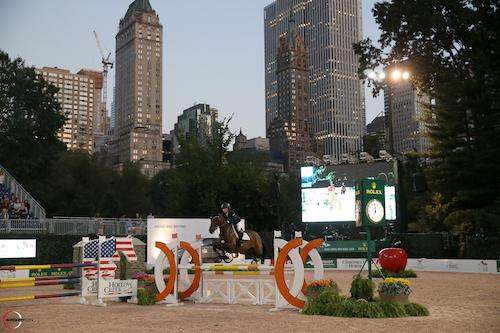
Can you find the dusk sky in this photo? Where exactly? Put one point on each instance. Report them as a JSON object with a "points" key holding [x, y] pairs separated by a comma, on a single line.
{"points": [[213, 49]]}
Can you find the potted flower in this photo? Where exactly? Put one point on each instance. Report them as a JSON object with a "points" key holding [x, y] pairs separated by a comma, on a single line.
{"points": [[394, 290], [316, 287]]}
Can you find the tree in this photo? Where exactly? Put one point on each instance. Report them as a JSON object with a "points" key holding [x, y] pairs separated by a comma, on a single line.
{"points": [[207, 174], [452, 50], [29, 120]]}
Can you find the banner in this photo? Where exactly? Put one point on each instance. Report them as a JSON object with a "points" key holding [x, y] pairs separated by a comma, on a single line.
{"points": [[343, 246]]}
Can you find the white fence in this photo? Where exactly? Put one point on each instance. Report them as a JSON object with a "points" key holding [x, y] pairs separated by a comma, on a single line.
{"points": [[74, 226]]}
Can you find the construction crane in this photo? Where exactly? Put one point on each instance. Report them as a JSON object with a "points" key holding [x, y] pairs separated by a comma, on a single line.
{"points": [[106, 62]]}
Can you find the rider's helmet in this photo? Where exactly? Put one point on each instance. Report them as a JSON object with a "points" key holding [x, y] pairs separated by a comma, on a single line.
{"points": [[225, 205]]}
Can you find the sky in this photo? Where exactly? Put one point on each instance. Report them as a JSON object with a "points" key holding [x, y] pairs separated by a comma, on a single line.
{"points": [[213, 50]]}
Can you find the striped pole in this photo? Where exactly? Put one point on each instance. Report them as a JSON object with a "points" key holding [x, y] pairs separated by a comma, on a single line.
{"points": [[38, 278], [22, 298], [237, 273], [38, 284], [48, 266]]}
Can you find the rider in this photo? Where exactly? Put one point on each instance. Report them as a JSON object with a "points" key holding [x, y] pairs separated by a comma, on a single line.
{"points": [[231, 217]]}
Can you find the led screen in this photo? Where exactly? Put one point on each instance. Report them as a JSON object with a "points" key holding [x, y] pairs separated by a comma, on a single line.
{"points": [[17, 248], [328, 191]]}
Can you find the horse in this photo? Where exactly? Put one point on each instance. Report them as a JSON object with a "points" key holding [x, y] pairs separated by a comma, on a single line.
{"points": [[228, 239]]}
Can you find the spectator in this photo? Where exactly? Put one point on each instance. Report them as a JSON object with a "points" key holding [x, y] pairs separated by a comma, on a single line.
{"points": [[2, 178], [15, 207], [5, 215], [130, 226], [27, 205], [5, 202], [23, 211]]}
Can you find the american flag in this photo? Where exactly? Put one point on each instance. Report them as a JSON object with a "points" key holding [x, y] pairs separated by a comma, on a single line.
{"points": [[109, 252]]}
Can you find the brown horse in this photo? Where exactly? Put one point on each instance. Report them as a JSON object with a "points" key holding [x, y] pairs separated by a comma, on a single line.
{"points": [[228, 239]]}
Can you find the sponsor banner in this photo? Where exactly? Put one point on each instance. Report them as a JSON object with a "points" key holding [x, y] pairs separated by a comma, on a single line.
{"points": [[14, 274], [110, 288], [327, 263], [453, 265], [50, 272], [431, 265], [342, 246], [350, 264]]}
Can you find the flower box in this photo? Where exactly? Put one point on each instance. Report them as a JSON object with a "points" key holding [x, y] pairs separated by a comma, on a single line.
{"points": [[400, 298]]}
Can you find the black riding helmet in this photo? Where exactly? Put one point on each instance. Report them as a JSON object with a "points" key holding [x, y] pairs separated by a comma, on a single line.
{"points": [[225, 205]]}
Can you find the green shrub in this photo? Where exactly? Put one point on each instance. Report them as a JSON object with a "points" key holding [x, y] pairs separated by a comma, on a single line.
{"points": [[319, 304], [330, 303], [393, 309], [359, 308], [416, 310], [145, 298], [407, 273], [362, 288]]}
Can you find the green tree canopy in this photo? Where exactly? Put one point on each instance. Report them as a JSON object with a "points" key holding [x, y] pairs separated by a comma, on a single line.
{"points": [[207, 174], [453, 52], [29, 120]]}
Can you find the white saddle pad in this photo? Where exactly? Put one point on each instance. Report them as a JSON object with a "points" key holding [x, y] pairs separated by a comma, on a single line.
{"points": [[245, 236]]}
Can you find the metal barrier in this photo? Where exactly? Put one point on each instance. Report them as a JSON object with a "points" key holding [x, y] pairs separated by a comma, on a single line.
{"points": [[74, 226], [15, 187]]}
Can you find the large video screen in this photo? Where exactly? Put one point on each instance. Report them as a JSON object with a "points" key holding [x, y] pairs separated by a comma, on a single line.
{"points": [[328, 191], [17, 248]]}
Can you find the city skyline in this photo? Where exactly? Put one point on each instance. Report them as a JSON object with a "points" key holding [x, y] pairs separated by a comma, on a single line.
{"points": [[202, 57]]}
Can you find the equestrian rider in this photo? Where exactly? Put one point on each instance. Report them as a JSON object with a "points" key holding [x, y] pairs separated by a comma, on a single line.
{"points": [[231, 217]]}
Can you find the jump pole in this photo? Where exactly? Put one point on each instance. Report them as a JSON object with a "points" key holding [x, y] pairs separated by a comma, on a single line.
{"points": [[38, 283], [38, 278], [48, 266], [31, 297]]}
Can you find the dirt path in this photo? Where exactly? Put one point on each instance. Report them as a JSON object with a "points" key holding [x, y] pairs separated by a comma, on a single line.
{"points": [[457, 302]]}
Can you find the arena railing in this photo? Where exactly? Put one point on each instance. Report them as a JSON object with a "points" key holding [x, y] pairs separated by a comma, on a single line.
{"points": [[74, 226]]}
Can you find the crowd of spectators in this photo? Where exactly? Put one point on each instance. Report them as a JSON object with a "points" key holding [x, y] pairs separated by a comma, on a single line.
{"points": [[11, 207]]}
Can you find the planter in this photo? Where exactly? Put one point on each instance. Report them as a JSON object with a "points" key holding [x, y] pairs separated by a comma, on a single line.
{"points": [[401, 298]]}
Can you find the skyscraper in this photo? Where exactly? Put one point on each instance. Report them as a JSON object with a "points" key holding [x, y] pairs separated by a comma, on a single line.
{"points": [[138, 101], [79, 97], [290, 131], [405, 131], [198, 121], [336, 96], [101, 125]]}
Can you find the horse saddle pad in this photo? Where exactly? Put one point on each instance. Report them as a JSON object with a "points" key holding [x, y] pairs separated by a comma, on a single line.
{"points": [[245, 237]]}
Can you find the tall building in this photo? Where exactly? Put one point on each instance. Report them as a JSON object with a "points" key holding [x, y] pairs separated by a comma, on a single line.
{"points": [[101, 123], [405, 131], [138, 99], [336, 96], [376, 125], [79, 97], [198, 121], [240, 141], [255, 144], [290, 131]]}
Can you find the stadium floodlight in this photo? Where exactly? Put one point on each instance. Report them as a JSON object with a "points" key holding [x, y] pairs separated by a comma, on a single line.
{"points": [[396, 74]]}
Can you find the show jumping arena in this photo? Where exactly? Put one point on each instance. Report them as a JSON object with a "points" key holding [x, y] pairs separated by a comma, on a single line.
{"points": [[458, 302]]}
